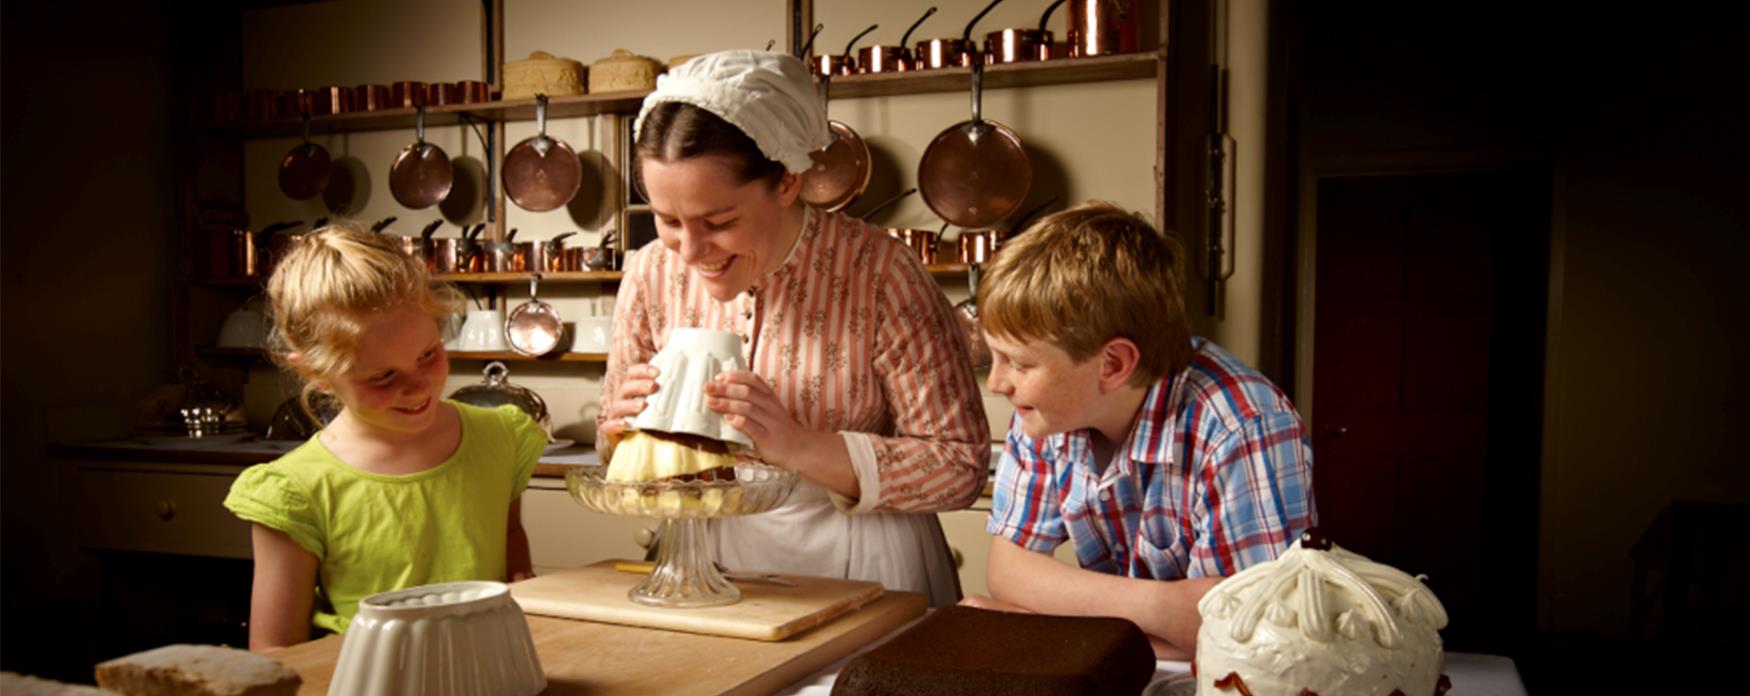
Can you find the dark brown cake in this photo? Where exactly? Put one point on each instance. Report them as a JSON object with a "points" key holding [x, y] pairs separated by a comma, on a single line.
{"points": [[961, 650]]}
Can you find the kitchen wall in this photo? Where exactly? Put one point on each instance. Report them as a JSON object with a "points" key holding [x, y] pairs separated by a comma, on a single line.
{"points": [[86, 261], [1087, 140], [1642, 119]]}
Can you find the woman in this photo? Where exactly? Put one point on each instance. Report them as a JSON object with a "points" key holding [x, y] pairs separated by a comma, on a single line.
{"points": [[858, 378]]}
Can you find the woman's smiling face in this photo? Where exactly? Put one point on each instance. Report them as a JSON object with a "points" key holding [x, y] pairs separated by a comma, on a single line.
{"points": [[729, 233]]}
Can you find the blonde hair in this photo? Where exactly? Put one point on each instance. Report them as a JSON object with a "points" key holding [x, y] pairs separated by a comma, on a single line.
{"points": [[1086, 275], [330, 282]]}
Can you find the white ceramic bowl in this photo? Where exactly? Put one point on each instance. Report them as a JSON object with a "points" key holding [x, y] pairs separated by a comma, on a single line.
{"points": [[438, 640], [690, 359]]}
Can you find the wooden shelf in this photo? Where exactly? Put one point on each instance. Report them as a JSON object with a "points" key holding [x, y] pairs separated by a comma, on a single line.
{"points": [[228, 281], [507, 355], [523, 277], [946, 269], [1128, 66]]}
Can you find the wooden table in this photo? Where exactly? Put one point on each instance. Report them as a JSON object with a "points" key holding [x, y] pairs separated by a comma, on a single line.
{"points": [[582, 657]]}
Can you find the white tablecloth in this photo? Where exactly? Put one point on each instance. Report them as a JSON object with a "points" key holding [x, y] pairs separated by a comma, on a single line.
{"points": [[1472, 674]]}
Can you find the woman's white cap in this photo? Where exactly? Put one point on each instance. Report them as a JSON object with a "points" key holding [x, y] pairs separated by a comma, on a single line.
{"points": [[769, 96]]}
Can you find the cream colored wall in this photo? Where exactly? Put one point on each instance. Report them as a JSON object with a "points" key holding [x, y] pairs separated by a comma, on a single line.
{"points": [[1093, 140], [1243, 26]]}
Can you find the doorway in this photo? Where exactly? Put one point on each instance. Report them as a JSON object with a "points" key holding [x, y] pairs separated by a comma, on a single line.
{"points": [[1427, 383]]}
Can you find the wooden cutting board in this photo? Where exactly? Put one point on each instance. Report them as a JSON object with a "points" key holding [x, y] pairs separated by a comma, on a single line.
{"points": [[582, 657], [766, 611]]}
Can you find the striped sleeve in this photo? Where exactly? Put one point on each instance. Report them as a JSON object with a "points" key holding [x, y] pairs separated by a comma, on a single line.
{"points": [[634, 334], [938, 456], [1255, 494]]}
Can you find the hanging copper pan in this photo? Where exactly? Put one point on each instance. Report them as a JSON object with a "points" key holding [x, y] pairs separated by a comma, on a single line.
{"points": [[422, 175], [976, 172], [541, 173], [305, 168], [841, 169]]}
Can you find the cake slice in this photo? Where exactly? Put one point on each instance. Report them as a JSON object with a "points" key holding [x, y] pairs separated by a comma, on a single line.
{"points": [[197, 670], [962, 650]]}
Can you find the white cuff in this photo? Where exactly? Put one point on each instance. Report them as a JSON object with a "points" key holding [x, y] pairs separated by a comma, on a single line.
{"points": [[862, 451]]}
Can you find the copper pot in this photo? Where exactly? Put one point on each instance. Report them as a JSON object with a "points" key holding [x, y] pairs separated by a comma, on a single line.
{"points": [[470, 92], [883, 59], [332, 99], [1021, 45], [406, 95], [261, 105], [921, 242], [977, 248], [1100, 27], [879, 59], [297, 102], [370, 97], [944, 53], [842, 64], [1017, 46]]}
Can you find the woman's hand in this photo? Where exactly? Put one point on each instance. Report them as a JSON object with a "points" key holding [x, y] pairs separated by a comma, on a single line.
{"points": [[749, 404], [638, 384]]}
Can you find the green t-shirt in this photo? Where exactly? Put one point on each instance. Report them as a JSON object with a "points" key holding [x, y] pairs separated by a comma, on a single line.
{"points": [[374, 533]]}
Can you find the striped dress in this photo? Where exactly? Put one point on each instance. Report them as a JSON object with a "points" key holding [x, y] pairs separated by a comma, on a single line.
{"points": [[855, 337]]}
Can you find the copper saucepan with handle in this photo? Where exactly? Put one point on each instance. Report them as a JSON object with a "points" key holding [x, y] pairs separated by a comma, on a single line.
{"points": [[976, 172], [883, 58], [422, 175], [541, 173], [951, 52], [1021, 45]]}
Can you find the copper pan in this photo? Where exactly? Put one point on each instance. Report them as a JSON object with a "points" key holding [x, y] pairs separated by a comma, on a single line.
{"points": [[880, 59], [422, 175], [305, 169], [843, 64], [1021, 45], [841, 169], [370, 97], [951, 53], [976, 172], [541, 173], [1100, 27]]}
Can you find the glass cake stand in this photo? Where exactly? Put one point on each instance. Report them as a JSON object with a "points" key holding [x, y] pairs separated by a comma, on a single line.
{"points": [[685, 575]]}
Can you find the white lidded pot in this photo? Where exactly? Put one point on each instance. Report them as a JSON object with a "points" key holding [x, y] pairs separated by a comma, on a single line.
{"points": [[439, 640]]}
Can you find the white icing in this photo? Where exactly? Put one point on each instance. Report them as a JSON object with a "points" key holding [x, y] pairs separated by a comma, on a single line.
{"points": [[1326, 620]]}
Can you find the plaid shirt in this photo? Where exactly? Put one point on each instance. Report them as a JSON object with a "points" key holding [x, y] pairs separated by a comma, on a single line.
{"points": [[1216, 477]]}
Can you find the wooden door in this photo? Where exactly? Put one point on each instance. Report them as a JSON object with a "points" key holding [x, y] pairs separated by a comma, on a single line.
{"points": [[1427, 385]]}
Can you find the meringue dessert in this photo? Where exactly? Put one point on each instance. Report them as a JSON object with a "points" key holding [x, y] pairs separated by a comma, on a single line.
{"points": [[1324, 621]]}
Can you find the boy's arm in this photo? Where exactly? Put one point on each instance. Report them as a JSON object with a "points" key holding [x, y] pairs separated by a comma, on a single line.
{"points": [[283, 594], [517, 563], [1165, 609]]}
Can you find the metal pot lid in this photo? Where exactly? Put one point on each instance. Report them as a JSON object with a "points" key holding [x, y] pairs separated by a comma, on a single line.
{"points": [[496, 390], [192, 409]]}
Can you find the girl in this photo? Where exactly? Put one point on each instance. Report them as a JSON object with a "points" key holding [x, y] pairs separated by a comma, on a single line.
{"points": [[402, 488]]}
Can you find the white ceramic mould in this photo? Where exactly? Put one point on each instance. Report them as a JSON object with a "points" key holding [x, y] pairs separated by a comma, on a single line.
{"points": [[439, 640], [689, 361]]}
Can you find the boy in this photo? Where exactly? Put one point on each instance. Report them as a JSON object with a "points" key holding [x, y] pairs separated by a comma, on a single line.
{"points": [[1166, 462]]}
